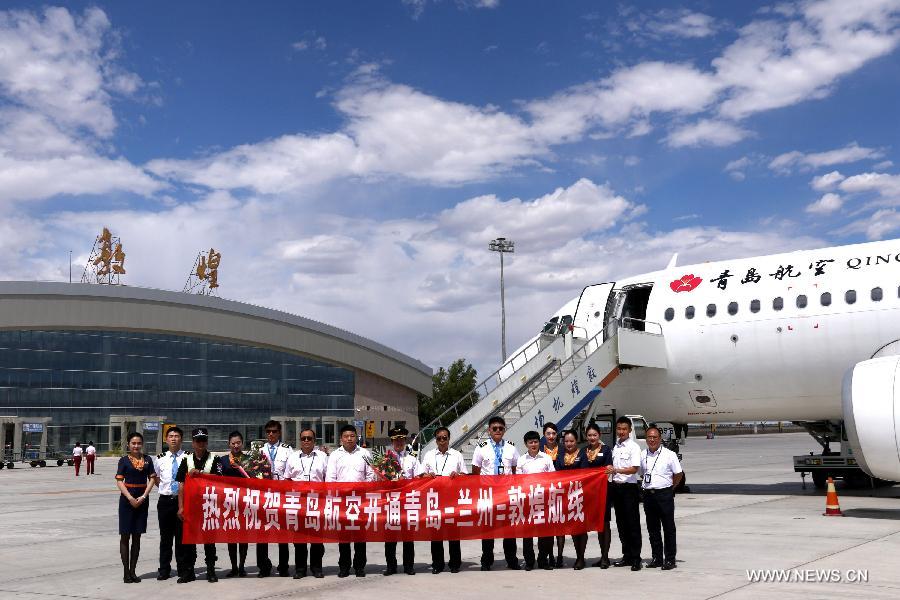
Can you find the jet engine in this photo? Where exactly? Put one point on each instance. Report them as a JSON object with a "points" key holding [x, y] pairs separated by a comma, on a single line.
{"points": [[871, 404]]}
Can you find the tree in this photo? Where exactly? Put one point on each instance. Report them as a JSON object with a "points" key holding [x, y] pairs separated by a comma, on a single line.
{"points": [[449, 385]]}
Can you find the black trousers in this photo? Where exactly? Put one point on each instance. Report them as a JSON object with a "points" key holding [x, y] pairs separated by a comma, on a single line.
{"points": [[409, 554], [437, 555], [237, 553], [315, 553], [209, 554], [265, 565], [659, 508], [169, 531], [359, 556], [545, 550], [509, 552], [626, 502]]}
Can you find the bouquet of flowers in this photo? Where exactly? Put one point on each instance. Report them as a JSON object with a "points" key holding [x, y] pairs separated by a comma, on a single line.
{"points": [[386, 464], [257, 465]]}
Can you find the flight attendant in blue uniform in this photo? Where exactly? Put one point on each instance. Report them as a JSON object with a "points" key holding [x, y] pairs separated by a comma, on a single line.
{"points": [[233, 465], [570, 457], [597, 455], [134, 478]]}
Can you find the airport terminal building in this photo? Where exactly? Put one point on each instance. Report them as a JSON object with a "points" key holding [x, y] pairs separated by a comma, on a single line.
{"points": [[82, 362]]}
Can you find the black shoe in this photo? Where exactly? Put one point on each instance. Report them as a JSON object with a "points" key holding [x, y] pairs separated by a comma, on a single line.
{"points": [[163, 575], [637, 565], [183, 579], [211, 575], [622, 563], [579, 564], [528, 567], [603, 563], [242, 572], [454, 569], [654, 564], [669, 565], [435, 570], [344, 573], [514, 566], [559, 562], [299, 573], [284, 572], [317, 573], [548, 567], [126, 577], [389, 571], [360, 572], [485, 567], [264, 573], [409, 570], [232, 573]]}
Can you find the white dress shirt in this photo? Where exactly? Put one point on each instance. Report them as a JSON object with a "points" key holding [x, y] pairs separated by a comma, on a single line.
{"points": [[306, 467], [164, 471], [440, 463], [91, 450], [485, 458], [77, 451], [626, 454], [410, 467], [661, 466], [281, 452], [349, 466], [539, 463]]}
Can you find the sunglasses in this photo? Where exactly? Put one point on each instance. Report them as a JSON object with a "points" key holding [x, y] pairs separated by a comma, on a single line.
{"points": [[273, 431], [498, 428], [307, 438], [442, 438]]}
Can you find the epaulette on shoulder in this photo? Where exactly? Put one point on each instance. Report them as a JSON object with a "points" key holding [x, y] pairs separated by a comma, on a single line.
{"points": [[189, 453], [482, 444], [510, 443], [285, 445], [160, 455]]}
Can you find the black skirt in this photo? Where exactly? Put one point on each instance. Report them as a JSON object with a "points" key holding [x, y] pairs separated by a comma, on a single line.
{"points": [[133, 520]]}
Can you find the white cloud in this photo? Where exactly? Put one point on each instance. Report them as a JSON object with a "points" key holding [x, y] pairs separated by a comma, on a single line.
{"points": [[876, 226], [881, 166], [826, 205], [683, 23], [881, 183], [58, 77], [59, 65], [775, 64], [706, 132], [853, 152], [826, 181], [632, 161]]}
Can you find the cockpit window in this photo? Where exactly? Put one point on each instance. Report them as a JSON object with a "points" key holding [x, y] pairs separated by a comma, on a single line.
{"points": [[550, 327]]}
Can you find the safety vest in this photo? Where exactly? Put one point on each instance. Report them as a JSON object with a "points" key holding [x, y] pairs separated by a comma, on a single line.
{"points": [[207, 468]]}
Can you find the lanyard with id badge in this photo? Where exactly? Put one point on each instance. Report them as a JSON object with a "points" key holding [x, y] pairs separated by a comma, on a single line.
{"points": [[306, 474], [649, 474]]}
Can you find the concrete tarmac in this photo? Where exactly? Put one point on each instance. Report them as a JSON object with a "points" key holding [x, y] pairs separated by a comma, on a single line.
{"points": [[746, 511]]}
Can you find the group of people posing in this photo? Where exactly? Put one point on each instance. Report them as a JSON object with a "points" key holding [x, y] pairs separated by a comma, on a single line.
{"points": [[656, 470]]}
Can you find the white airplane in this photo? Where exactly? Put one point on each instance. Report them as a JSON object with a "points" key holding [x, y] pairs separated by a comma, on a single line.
{"points": [[809, 336]]}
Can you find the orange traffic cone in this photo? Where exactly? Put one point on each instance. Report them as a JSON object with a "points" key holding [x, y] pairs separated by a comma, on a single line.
{"points": [[832, 506]]}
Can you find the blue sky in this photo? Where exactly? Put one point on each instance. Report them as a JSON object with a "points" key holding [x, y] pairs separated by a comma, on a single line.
{"points": [[351, 160]]}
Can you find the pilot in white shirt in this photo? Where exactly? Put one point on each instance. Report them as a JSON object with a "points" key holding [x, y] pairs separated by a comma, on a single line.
{"points": [[166, 467], [661, 474], [624, 493], [278, 455], [410, 468], [496, 456]]}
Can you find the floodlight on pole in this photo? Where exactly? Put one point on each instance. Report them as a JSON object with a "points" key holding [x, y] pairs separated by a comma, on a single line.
{"points": [[502, 245]]}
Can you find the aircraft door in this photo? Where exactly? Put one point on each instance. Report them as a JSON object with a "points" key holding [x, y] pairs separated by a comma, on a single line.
{"points": [[590, 314]]}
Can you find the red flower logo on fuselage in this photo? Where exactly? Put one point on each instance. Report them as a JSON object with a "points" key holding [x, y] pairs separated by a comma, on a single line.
{"points": [[686, 284]]}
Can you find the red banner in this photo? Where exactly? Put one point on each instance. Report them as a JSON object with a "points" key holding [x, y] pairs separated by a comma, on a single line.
{"points": [[228, 509]]}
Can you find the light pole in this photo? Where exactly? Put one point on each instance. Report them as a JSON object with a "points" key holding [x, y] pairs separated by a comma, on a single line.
{"points": [[502, 245]]}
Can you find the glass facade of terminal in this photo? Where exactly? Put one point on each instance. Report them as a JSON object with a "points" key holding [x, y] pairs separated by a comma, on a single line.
{"points": [[83, 378]]}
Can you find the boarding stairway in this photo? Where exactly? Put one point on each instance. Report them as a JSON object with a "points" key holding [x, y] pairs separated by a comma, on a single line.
{"points": [[550, 380]]}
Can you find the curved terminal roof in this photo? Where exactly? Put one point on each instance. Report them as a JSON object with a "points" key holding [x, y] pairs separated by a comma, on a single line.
{"points": [[47, 305]]}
